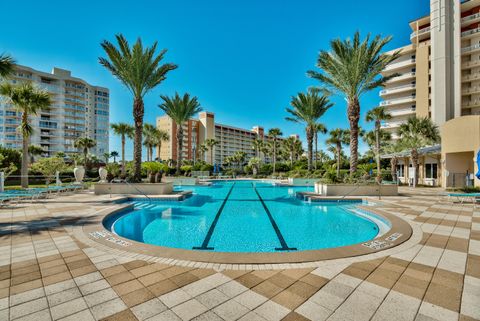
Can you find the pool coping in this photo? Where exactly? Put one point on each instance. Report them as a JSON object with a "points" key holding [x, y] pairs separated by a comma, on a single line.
{"points": [[400, 231]]}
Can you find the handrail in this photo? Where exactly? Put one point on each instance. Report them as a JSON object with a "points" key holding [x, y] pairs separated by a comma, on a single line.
{"points": [[138, 190]]}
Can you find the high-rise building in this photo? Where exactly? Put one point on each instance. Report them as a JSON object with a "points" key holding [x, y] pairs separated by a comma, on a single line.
{"points": [[438, 76], [78, 110], [230, 139]]}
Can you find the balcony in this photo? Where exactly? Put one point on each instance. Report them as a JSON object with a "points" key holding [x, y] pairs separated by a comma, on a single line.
{"points": [[402, 112], [471, 77], [470, 33], [470, 49], [391, 125], [398, 101], [471, 90], [470, 64], [399, 89], [400, 64], [421, 34], [470, 19], [402, 77], [471, 104]]}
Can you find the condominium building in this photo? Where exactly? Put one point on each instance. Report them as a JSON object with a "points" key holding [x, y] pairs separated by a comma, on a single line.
{"points": [[230, 139], [438, 76], [78, 110]]}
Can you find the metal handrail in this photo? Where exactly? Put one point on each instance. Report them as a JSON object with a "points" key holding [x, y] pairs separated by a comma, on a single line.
{"points": [[138, 190]]}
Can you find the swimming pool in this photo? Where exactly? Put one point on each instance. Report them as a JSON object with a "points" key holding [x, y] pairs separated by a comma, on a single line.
{"points": [[244, 216]]}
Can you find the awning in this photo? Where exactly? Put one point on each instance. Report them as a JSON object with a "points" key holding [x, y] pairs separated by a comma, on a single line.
{"points": [[436, 149]]}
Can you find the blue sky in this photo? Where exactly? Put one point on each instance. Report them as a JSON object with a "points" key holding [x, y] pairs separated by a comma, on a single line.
{"points": [[244, 59]]}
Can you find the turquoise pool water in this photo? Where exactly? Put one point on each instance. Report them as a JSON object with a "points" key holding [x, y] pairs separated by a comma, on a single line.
{"points": [[244, 216]]}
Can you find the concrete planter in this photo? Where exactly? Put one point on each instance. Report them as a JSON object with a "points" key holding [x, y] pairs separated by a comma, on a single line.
{"points": [[182, 180], [302, 181], [134, 189], [355, 190]]}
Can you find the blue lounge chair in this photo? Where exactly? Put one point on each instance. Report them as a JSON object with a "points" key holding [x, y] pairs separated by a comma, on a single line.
{"points": [[465, 197]]}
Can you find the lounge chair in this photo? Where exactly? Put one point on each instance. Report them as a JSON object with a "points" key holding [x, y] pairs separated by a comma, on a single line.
{"points": [[465, 197]]}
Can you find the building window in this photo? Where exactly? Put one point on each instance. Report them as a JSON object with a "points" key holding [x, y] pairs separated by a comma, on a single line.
{"points": [[430, 170], [400, 170]]}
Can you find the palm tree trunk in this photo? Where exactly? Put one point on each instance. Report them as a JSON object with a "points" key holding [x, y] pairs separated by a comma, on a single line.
{"points": [[377, 151], [25, 157], [353, 118], [138, 112], [159, 147], [291, 158], [179, 148], [316, 149], [211, 154], [310, 147], [339, 154], [274, 154], [123, 155], [393, 168], [85, 155], [414, 154]]}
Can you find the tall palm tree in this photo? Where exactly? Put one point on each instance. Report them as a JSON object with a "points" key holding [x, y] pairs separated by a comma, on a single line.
{"points": [[34, 150], [257, 145], [202, 150], [28, 100], [149, 141], [125, 131], [180, 109], [274, 133], [114, 155], [6, 65], [353, 68], [160, 137], [338, 137], [308, 108], [84, 144], [319, 128], [377, 115], [210, 143], [289, 145], [139, 69], [415, 134]]}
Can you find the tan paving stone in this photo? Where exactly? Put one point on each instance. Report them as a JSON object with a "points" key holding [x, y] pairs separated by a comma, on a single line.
{"points": [[137, 297], [162, 287], [120, 278], [127, 287], [267, 289], [125, 315]]}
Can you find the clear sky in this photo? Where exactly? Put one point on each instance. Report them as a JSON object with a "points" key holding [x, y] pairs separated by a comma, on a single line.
{"points": [[244, 59]]}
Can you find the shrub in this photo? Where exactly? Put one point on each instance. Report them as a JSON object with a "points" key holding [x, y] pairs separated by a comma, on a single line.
{"points": [[265, 169], [48, 167]]}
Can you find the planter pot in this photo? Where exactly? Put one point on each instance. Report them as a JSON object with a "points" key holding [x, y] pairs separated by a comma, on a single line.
{"points": [[151, 178], [158, 177], [102, 172], [79, 173]]}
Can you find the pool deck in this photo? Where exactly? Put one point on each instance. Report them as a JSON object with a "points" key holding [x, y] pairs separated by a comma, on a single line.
{"points": [[50, 269]]}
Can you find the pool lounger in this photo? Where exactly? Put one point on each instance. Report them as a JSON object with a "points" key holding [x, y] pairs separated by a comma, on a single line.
{"points": [[462, 197]]}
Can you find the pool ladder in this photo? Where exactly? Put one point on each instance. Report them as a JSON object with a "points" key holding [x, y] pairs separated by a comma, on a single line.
{"points": [[141, 192]]}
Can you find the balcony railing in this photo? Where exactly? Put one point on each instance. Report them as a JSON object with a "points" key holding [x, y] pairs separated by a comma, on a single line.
{"points": [[394, 89], [401, 77], [395, 101], [470, 32], [471, 103], [471, 17], [471, 90], [400, 64], [474, 76], [420, 32], [470, 48], [401, 112], [471, 63]]}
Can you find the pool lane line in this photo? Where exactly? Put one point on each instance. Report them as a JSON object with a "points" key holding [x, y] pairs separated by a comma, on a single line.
{"points": [[204, 245], [284, 245]]}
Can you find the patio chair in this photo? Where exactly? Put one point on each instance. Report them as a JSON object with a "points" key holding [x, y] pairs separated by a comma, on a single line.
{"points": [[465, 197]]}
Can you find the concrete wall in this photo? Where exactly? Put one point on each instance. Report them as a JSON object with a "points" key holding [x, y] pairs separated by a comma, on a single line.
{"points": [[355, 190], [182, 180], [302, 181], [422, 80], [134, 189]]}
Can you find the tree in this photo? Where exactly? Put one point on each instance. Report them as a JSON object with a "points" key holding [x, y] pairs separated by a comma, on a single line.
{"points": [[254, 162], [338, 137], [49, 167], [180, 109], [34, 150], [139, 69], [210, 143], [106, 156], [274, 133], [319, 128], [353, 68], [257, 145], [123, 130], [149, 132], [393, 147], [415, 134], [6, 65], [202, 150], [377, 115], [160, 137], [290, 145], [308, 108], [84, 144], [114, 154], [28, 100]]}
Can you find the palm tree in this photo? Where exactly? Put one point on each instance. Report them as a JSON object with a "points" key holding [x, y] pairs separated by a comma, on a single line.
{"points": [[123, 130], [139, 69], [257, 145], [6, 65], [308, 108], [393, 148], [114, 154], [149, 140], [160, 137], [202, 150], [417, 133], [106, 156], [377, 115], [180, 110], [319, 128], [353, 68], [34, 150], [210, 143], [289, 145], [84, 144], [338, 137], [274, 133], [28, 100]]}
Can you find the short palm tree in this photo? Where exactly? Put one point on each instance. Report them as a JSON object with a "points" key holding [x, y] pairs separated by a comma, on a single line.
{"points": [[377, 115], [106, 156], [274, 134], [290, 145], [27, 100], [393, 147], [319, 128], [6, 65], [84, 144], [180, 109], [308, 108], [139, 69], [149, 141], [160, 137], [114, 155], [202, 150], [353, 68], [34, 150], [257, 145], [415, 134], [211, 143], [338, 138], [124, 131]]}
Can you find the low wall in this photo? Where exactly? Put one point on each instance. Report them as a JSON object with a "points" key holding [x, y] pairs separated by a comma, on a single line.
{"points": [[355, 190], [182, 180], [302, 181], [134, 189]]}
